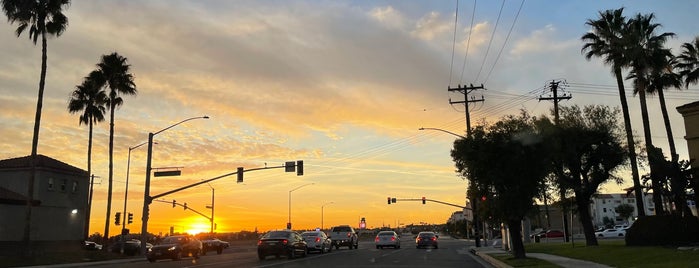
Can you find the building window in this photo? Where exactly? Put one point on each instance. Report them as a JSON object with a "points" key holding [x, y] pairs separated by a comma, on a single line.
{"points": [[632, 201], [75, 186], [604, 201], [617, 201], [604, 210], [50, 187], [63, 185]]}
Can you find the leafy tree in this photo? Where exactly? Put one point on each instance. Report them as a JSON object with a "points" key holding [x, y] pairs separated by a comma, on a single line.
{"points": [[585, 143], [625, 211], [113, 72], [507, 163], [42, 18], [605, 40]]}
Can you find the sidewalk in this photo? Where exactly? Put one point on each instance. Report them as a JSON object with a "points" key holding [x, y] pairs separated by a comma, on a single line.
{"points": [[484, 252]]}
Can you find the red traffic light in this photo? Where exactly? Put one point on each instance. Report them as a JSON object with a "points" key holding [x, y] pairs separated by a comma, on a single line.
{"points": [[483, 198], [423, 200]]}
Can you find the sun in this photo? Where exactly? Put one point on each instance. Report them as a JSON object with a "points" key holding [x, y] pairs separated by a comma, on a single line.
{"points": [[197, 228]]}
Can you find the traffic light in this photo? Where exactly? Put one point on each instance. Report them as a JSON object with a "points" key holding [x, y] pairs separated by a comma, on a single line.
{"points": [[389, 200], [185, 206], [240, 175], [130, 218], [117, 218], [483, 198], [299, 168], [423, 200]]}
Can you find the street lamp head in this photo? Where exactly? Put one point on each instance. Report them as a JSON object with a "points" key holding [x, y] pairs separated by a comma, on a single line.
{"points": [[206, 117], [422, 128]]}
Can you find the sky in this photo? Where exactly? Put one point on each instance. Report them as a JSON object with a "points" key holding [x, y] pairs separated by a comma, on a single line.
{"points": [[342, 85]]}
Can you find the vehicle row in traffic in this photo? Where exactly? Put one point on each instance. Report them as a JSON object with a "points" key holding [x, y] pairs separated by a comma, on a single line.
{"points": [[281, 243], [426, 239], [387, 239], [317, 241], [344, 235], [175, 247], [213, 244]]}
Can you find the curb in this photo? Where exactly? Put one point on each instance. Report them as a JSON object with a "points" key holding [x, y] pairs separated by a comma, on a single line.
{"points": [[493, 261]]}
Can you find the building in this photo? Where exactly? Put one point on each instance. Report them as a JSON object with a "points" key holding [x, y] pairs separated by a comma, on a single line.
{"points": [[60, 201], [690, 113], [604, 206]]}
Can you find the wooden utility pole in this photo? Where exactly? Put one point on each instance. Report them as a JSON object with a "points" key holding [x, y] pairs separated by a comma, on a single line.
{"points": [[554, 86], [474, 202]]}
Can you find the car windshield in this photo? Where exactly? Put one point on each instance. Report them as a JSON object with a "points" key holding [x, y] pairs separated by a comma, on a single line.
{"points": [[277, 234], [172, 239], [386, 234], [341, 229], [309, 234], [426, 234]]}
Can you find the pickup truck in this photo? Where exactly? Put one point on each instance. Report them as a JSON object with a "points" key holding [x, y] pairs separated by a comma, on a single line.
{"points": [[344, 235]]}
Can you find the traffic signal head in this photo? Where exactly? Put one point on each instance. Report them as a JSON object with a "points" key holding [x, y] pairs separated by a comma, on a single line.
{"points": [[174, 203], [483, 198], [299, 168], [389, 200], [240, 175], [185, 206], [130, 218], [117, 218], [423, 200]]}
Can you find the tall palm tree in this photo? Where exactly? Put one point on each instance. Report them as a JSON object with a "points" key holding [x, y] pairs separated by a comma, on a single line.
{"points": [[645, 47], [115, 74], [664, 76], [605, 40], [41, 18], [689, 62], [91, 100]]}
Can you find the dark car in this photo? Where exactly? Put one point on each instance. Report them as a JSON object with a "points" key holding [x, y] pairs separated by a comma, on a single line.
{"points": [[426, 239], [551, 234], [175, 247], [213, 244], [128, 247], [89, 245], [281, 242]]}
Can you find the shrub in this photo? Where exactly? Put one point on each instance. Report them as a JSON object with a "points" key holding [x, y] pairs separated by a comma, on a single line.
{"points": [[666, 230]]}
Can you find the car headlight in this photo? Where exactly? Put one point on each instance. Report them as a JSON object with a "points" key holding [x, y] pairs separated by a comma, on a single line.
{"points": [[172, 248]]}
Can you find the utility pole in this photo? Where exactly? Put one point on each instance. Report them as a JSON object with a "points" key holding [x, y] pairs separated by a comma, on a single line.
{"points": [[465, 90], [554, 86]]}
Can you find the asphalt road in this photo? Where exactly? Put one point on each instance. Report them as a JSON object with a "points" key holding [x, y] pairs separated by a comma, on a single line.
{"points": [[451, 253]]}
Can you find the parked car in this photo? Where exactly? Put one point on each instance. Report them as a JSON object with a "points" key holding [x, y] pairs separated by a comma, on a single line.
{"points": [[175, 247], [213, 244], [387, 239], [89, 245], [344, 235], [281, 242], [552, 234], [317, 241], [533, 235], [611, 233], [426, 239]]}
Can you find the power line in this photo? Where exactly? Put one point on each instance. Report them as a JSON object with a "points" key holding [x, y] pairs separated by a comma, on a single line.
{"points": [[492, 36], [504, 43], [468, 42], [453, 45]]}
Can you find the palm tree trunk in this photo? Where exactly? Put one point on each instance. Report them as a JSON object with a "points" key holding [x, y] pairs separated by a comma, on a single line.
{"points": [[657, 187], [89, 172], [111, 150], [668, 127], [631, 144]]}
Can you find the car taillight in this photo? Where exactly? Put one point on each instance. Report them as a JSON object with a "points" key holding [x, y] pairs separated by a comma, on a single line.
{"points": [[434, 239], [393, 238], [419, 238], [285, 241], [376, 239], [349, 234], [259, 242], [317, 239]]}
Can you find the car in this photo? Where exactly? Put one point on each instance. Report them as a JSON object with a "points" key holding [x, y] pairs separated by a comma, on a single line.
{"points": [[613, 232], [344, 235], [175, 247], [213, 244], [317, 241], [89, 245], [281, 242], [387, 239], [551, 234], [128, 247], [533, 235], [426, 239]]}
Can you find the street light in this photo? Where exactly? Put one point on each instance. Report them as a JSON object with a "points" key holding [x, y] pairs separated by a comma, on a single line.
{"points": [[321, 213], [442, 130], [126, 192], [147, 199], [212, 208], [288, 224]]}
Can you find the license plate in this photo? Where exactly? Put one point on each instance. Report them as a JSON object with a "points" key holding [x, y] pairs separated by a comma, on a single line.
{"points": [[271, 242]]}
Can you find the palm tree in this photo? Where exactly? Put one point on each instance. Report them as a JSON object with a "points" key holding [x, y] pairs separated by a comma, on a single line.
{"points": [[664, 76], [114, 74], [689, 62], [644, 49], [605, 41], [91, 100], [42, 18]]}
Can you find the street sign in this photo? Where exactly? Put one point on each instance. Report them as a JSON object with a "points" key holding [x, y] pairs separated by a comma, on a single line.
{"points": [[167, 173]]}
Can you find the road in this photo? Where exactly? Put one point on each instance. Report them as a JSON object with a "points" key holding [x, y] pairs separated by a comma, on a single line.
{"points": [[451, 253]]}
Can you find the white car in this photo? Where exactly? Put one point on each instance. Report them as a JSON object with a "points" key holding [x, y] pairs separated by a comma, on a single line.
{"points": [[387, 239], [611, 233], [317, 241]]}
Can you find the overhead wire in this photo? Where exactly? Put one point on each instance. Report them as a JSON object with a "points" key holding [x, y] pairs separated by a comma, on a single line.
{"points": [[468, 42], [504, 43], [492, 36], [453, 46]]}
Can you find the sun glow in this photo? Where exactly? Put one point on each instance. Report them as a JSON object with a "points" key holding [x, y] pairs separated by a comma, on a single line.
{"points": [[195, 228]]}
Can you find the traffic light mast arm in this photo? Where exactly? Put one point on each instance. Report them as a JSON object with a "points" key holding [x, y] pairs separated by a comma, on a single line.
{"points": [[431, 200], [188, 208]]}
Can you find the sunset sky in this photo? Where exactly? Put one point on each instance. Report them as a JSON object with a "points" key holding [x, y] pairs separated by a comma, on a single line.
{"points": [[342, 85]]}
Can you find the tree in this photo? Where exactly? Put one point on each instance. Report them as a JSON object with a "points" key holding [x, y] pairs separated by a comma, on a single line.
{"points": [[115, 75], [605, 41], [41, 18], [625, 211], [507, 163], [588, 148], [91, 100], [689, 62], [645, 49]]}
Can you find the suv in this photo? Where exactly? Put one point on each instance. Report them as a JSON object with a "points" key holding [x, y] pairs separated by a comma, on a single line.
{"points": [[344, 235], [175, 247]]}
